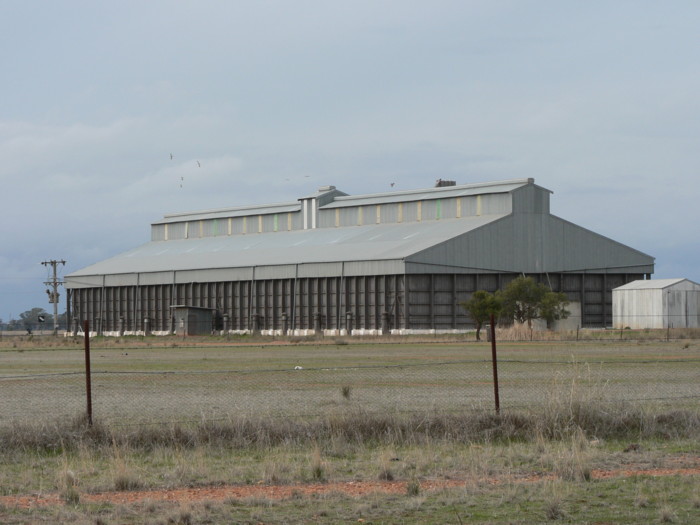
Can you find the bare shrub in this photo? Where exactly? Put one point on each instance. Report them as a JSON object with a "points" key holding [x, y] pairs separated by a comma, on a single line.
{"points": [[386, 472], [68, 485], [554, 501], [667, 515], [413, 488], [123, 474], [317, 465], [573, 463]]}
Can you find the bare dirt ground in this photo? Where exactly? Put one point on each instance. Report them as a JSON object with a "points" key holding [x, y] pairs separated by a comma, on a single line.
{"points": [[687, 466]]}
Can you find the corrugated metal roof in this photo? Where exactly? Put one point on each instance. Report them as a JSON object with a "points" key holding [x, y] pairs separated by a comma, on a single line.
{"points": [[357, 243], [324, 190], [464, 190], [654, 284], [241, 211]]}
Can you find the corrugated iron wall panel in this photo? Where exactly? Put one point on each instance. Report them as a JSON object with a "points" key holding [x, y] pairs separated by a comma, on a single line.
{"points": [[492, 204], [176, 231], [270, 223], [158, 232], [326, 218], [426, 301], [410, 211], [389, 213]]}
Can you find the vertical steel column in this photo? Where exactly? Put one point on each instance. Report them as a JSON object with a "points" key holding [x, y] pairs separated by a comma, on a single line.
{"points": [[365, 285], [275, 284], [380, 303], [357, 303], [431, 285], [406, 303], [583, 300], [69, 313], [454, 301], [340, 299], [605, 300], [293, 296], [251, 292], [102, 306]]}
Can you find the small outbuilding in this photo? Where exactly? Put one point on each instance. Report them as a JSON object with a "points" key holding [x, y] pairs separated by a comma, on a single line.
{"points": [[657, 303], [192, 320]]}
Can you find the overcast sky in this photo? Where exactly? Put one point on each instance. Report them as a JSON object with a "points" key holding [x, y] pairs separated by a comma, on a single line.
{"points": [[598, 101]]}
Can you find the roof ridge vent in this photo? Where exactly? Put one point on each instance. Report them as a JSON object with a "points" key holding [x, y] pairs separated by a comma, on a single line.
{"points": [[440, 183]]}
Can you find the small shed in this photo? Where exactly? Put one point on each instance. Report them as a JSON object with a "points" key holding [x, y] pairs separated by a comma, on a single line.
{"points": [[657, 303], [192, 320]]}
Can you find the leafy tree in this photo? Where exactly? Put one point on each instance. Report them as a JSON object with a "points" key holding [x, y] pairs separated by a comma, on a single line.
{"points": [[553, 307], [30, 318], [524, 300], [480, 306]]}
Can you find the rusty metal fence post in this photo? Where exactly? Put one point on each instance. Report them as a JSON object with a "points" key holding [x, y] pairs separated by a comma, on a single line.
{"points": [[494, 364], [88, 386]]}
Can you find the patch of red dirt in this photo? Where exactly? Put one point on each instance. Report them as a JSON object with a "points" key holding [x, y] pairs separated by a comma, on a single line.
{"points": [[351, 488]]}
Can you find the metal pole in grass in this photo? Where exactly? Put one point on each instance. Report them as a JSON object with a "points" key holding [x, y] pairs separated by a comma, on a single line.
{"points": [[495, 364], [88, 387]]}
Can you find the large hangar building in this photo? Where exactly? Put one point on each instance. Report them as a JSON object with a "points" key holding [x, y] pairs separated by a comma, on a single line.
{"points": [[400, 261]]}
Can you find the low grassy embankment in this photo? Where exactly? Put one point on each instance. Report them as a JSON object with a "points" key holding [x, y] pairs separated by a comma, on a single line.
{"points": [[566, 462]]}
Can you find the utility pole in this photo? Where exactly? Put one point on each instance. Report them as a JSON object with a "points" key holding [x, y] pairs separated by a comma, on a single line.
{"points": [[53, 295]]}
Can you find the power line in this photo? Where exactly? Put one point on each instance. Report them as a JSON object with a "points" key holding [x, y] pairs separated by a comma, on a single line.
{"points": [[53, 295]]}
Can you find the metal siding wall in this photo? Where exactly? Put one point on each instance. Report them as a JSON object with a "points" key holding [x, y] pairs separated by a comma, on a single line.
{"points": [[347, 217], [176, 231], [443, 301], [268, 223], [374, 267], [85, 281], [419, 300], [214, 274], [125, 279], [158, 232], [193, 230], [237, 226], [469, 206], [449, 208], [432, 302], [319, 269], [326, 218], [496, 203], [530, 199], [677, 308], [430, 209], [210, 227], [390, 213], [410, 211], [156, 278]]}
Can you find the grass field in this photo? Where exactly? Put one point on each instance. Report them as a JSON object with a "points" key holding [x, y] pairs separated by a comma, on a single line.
{"points": [[167, 379], [380, 431]]}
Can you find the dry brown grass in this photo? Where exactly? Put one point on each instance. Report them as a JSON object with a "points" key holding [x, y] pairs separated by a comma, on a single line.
{"points": [[575, 422]]}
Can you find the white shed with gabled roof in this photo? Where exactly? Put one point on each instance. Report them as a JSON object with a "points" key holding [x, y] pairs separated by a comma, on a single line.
{"points": [[657, 303]]}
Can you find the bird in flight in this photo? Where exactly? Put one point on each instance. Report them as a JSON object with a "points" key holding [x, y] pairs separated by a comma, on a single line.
{"points": [[198, 164], [171, 156], [392, 184]]}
